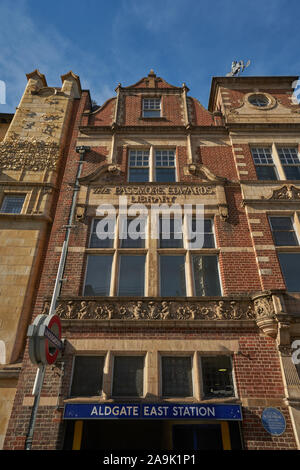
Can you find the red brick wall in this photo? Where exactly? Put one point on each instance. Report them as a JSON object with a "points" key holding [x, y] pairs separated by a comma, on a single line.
{"points": [[248, 159], [256, 369], [198, 114], [103, 117], [219, 159], [172, 111]]}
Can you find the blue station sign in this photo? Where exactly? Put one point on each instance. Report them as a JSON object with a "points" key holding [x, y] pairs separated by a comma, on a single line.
{"points": [[152, 411]]}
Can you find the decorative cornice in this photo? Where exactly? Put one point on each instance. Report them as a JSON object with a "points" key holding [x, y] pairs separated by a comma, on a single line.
{"points": [[91, 130], [108, 308]]}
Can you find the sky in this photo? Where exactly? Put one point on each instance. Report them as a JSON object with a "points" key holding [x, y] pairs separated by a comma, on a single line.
{"points": [[120, 41]]}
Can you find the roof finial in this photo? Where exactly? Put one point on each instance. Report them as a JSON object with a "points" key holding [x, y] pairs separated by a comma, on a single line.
{"points": [[151, 73]]}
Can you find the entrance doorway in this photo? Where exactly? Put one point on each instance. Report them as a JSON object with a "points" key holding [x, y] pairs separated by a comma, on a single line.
{"points": [[152, 434]]}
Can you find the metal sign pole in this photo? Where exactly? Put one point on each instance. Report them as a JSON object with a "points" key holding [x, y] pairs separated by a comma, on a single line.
{"points": [[37, 388], [39, 379]]}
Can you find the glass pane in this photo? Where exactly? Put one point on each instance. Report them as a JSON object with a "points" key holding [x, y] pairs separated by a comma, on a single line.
{"points": [[87, 376], [165, 175], [102, 228], [206, 275], [290, 266], [288, 155], [164, 158], [208, 241], [172, 276], [217, 376], [151, 113], [281, 223], [262, 155], [266, 173], [169, 229], [128, 376], [12, 204], [151, 103], [292, 172], [177, 376], [139, 158], [132, 275], [285, 239], [138, 175], [98, 275], [259, 100], [135, 228], [283, 231]]}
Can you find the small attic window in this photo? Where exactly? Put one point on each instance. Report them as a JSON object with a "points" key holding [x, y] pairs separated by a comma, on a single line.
{"points": [[151, 107], [259, 100]]}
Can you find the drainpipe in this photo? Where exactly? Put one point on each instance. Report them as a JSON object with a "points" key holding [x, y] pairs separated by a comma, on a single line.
{"points": [[39, 379], [58, 281]]}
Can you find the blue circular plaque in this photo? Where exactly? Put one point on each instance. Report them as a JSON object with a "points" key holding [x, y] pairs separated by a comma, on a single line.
{"points": [[273, 421]]}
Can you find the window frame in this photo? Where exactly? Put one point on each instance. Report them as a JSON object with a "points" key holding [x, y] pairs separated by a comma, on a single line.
{"points": [[155, 166], [191, 355], [159, 271], [292, 219], [218, 273], [81, 354], [201, 375], [279, 166], [12, 194], [152, 251], [149, 98], [260, 165], [137, 149], [284, 165], [112, 368], [119, 270], [152, 163], [116, 251]]}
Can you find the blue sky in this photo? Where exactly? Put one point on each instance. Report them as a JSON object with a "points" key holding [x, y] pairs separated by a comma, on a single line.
{"points": [[120, 41]]}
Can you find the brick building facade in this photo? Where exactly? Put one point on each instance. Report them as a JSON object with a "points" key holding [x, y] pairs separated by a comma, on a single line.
{"points": [[180, 332]]}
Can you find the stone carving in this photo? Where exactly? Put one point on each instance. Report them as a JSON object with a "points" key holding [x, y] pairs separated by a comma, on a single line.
{"points": [[79, 309], [197, 169], [80, 213], [29, 155], [263, 307], [104, 174], [51, 117], [49, 129], [287, 192], [265, 315]]}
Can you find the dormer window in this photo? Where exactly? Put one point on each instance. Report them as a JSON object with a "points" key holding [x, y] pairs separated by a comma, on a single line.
{"points": [[151, 108]]}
